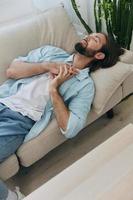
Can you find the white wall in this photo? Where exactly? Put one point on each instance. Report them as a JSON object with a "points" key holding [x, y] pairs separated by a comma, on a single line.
{"points": [[45, 4], [132, 44], [14, 9], [11, 9], [82, 6], [91, 18]]}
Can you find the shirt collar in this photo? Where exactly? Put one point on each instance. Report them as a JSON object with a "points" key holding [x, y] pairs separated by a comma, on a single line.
{"points": [[69, 59], [83, 73]]}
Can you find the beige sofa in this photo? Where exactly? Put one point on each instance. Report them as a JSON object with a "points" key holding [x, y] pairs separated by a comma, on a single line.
{"points": [[18, 37]]}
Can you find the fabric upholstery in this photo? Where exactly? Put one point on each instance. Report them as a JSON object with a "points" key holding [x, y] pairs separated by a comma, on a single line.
{"points": [[51, 137], [106, 82], [20, 36], [127, 57], [128, 84]]}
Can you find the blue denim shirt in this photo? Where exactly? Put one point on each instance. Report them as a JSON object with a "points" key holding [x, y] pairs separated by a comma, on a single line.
{"points": [[77, 92]]}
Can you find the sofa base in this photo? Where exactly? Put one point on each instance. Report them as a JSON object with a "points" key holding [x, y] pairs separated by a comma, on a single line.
{"points": [[110, 114]]}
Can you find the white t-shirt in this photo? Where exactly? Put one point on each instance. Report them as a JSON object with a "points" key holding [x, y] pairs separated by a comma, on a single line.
{"points": [[31, 98]]}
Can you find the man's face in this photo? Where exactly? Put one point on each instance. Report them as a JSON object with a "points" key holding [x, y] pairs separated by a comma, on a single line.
{"points": [[91, 44]]}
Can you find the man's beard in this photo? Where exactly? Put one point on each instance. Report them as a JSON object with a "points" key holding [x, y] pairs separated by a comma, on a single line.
{"points": [[82, 50]]}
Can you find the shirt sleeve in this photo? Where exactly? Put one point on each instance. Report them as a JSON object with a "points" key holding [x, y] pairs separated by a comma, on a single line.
{"points": [[79, 108], [32, 56], [45, 53]]}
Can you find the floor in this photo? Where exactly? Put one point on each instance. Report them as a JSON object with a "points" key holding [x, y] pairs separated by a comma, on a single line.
{"points": [[72, 150]]}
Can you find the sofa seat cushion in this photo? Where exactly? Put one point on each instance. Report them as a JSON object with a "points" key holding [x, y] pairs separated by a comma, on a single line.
{"points": [[9, 167], [106, 82], [50, 138]]}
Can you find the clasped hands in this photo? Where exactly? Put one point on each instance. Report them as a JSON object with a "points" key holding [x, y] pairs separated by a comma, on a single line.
{"points": [[61, 73]]}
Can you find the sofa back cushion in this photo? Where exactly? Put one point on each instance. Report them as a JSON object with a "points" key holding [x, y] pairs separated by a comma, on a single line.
{"points": [[106, 83], [20, 36], [127, 57]]}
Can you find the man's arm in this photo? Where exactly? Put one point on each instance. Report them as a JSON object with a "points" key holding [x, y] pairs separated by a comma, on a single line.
{"points": [[20, 69], [72, 119], [61, 111]]}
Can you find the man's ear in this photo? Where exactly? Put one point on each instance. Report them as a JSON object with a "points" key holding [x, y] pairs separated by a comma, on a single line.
{"points": [[99, 56]]}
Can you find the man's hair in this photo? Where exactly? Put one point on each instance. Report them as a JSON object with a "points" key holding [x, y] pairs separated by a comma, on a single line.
{"points": [[112, 52]]}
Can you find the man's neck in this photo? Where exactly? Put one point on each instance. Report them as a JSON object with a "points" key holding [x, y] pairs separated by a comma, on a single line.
{"points": [[81, 61]]}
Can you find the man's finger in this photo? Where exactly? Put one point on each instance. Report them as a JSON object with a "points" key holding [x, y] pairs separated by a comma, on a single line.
{"points": [[73, 71], [65, 70], [60, 71], [76, 70]]}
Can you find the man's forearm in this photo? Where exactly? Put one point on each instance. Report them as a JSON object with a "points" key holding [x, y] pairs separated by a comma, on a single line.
{"points": [[19, 69], [61, 111]]}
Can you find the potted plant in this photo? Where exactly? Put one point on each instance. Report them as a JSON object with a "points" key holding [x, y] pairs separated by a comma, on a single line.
{"points": [[75, 7], [118, 17]]}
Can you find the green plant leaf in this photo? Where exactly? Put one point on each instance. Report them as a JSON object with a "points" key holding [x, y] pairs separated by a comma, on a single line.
{"points": [[74, 5]]}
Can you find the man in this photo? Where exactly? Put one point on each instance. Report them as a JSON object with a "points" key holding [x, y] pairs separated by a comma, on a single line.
{"points": [[41, 84], [50, 81]]}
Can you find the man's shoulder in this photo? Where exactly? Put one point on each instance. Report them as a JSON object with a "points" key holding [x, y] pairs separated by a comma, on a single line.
{"points": [[86, 85], [53, 48]]}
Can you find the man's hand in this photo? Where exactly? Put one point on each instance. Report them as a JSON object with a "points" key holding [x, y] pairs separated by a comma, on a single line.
{"points": [[65, 72], [51, 67], [54, 68]]}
